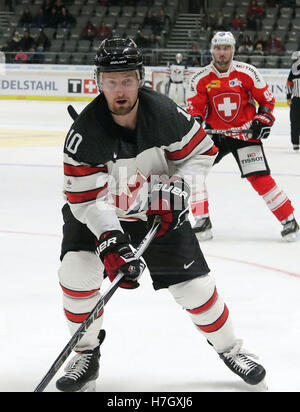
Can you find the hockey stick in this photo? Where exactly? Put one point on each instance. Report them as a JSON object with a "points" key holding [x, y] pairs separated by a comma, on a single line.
{"points": [[95, 312], [233, 131], [72, 112]]}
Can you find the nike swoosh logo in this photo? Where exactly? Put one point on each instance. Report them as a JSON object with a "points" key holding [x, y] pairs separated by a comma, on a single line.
{"points": [[187, 266]]}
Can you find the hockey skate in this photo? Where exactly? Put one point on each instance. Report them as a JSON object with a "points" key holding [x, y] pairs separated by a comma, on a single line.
{"points": [[82, 371], [203, 229], [239, 361], [296, 147], [290, 231]]}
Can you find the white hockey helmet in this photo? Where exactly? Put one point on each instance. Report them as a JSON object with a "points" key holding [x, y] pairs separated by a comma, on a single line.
{"points": [[223, 38], [178, 58]]}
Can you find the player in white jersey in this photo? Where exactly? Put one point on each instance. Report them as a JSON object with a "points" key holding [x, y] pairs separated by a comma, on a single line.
{"points": [[177, 73], [127, 158]]}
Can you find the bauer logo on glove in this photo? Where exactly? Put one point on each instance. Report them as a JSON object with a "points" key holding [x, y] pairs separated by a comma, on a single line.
{"points": [[169, 200]]}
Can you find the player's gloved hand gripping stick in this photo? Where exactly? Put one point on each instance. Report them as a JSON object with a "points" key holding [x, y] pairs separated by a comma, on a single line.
{"points": [[97, 309]]}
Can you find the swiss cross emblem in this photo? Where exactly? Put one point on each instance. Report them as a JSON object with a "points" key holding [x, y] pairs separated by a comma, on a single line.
{"points": [[227, 106], [89, 86]]}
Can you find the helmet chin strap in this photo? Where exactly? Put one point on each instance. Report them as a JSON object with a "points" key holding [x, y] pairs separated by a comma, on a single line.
{"points": [[132, 107]]}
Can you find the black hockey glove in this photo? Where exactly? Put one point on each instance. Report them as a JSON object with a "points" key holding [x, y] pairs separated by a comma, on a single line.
{"points": [[117, 254], [261, 125], [169, 199]]}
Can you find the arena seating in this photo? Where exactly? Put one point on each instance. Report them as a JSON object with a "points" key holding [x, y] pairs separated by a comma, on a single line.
{"points": [[277, 28]]}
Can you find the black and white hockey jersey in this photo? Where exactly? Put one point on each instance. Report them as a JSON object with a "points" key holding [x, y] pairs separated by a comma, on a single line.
{"points": [[293, 81], [108, 168]]}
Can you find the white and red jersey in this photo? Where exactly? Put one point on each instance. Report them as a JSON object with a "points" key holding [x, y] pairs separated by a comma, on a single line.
{"points": [[228, 100], [109, 169]]}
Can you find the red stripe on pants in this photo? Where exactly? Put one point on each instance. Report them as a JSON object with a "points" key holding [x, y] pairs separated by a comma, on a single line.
{"points": [[79, 294], [213, 327], [206, 305], [79, 317]]}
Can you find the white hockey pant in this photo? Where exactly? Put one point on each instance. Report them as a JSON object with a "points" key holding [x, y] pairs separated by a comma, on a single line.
{"points": [[81, 276], [199, 297], [176, 93]]}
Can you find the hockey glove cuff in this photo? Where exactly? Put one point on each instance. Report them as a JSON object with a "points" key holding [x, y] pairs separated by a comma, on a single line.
{"points": [[261, 125], [169, 199], [117, 255]]}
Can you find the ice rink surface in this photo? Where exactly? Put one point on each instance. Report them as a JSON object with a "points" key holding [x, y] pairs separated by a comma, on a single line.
{"points": [[151, 344]]}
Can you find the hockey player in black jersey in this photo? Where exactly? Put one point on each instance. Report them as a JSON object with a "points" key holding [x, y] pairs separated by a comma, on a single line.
{"points": [[293, 100], [133, 154]]}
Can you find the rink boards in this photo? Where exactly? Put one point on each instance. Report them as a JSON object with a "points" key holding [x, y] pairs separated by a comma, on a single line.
{"points": [[77, 83]]}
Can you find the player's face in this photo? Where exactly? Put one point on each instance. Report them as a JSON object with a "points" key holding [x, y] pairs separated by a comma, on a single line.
{"points": [[120, 90], [223, 55]]}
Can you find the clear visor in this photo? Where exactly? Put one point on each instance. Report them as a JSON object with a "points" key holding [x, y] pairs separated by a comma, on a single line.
{"points": [[130, 82]]}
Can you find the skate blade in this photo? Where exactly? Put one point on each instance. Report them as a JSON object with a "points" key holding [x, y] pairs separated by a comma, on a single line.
{"points": [[260, 387], [89, 387], [202, 236], [291, 237]]}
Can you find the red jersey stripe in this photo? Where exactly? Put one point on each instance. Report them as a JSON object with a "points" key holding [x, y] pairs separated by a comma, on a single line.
{"points": [[206, 305], [214, 150], [213, 327], [82, 170], [78, 317], [79, 197], [188, 148], [77, 294]]}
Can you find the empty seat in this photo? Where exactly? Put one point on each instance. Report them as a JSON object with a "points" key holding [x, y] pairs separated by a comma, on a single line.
{"points": [[268, 23], [290, 47], [283, 23], [137, 21], [128, 11], [78, 58], [56, 45], [271, 12], [50, 58], [272, 62], [257, 61], [242, 58], [114, 11], [83, 46], [286, 62], [286, 12], [242, 11], [74, 10], [293, 36], [87, 10], [124, 22], [81, 21], [228, 12], [100, 11], [295, 24], [110, 21], [280, 35], [62, 34], [141, 11], [75, 33], [70, 45], [63, 58], [49, 31]]}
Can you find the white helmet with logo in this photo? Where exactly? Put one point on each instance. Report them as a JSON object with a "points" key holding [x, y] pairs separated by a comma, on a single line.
{"points": [[223, 38]]}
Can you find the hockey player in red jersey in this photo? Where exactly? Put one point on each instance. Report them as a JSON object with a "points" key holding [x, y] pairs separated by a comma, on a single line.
{"points": [[224, 95], [126, 137]]}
